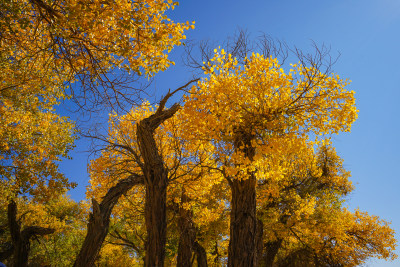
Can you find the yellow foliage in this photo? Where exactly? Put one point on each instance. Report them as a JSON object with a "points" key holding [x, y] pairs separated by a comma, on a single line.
{"points": [[259, 107]]}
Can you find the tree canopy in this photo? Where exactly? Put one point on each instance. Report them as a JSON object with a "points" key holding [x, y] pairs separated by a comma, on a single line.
{"points": [[240, 172]]}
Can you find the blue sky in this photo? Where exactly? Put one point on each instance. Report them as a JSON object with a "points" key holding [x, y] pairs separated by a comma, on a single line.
{"points": [[366, 33]]}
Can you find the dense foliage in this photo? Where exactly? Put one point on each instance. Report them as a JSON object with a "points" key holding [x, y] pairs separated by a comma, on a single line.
{"points": [[241, 173]]}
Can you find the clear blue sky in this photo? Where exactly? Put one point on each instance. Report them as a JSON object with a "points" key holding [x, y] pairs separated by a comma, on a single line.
{"points": [[367, 35]]}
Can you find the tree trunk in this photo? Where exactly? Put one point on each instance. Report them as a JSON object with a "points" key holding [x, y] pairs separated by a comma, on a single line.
{"points": [[99, 221], [21, 240], [187, 239], [156, 181], [155, 216], [243, 229], [243, 226]]}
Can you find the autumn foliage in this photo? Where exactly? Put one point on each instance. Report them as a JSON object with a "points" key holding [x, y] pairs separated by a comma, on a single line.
{"points": [[241, 172]]}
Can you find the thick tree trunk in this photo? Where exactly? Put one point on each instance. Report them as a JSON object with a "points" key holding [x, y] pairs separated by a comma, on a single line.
{"points": [[156, 181], [99, 221], [155, 216], [243, 226], [243, 229], [21, 240], [185, 249]]}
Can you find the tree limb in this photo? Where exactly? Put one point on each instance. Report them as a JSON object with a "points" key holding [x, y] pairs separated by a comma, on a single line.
{"points": [[99, 220]]}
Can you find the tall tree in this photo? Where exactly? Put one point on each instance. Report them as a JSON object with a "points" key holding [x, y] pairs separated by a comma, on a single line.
{"points": [[151, 165], [47, 46], [99, 220], [247, 110], [188, 169]]}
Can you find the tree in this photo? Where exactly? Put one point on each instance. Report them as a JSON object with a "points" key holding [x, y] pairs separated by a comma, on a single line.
{"points": [[44, 234], [304, 218], [21, 239], [239, 123], [338, 238], [189, 176], [296, 185], [249, 109], [100, 218], [151, 166], [48, 45]]}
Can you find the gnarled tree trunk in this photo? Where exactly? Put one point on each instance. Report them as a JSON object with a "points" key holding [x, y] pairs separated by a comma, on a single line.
{"points": [[21, 240], [156, 181], [100, 219]]}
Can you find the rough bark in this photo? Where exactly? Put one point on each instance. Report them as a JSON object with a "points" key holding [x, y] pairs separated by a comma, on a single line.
{"points": [[21, 240], [243, 227], [201, 255], [99, 221], [156, 180], [155, 216]]}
